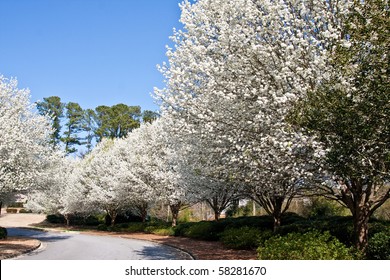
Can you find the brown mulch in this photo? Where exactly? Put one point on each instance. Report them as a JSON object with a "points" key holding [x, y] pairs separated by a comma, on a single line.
{"points": [[15, 246]]}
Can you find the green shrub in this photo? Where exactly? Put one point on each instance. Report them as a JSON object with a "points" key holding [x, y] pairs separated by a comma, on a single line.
{"points": [[102, 227], [203, 230], [322, 207], [290, 218], [340, 227], [260, 222], [3, 233], [16, 205], [308, 246], [55, 219], [12, 210], [244, 238], [24, 211], [181, 228], [164, 231], [132, 227], [379, 246], [91, 221]]}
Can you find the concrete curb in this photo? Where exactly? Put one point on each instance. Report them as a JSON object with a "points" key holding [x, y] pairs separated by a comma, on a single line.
{"points": [[162, 243]]}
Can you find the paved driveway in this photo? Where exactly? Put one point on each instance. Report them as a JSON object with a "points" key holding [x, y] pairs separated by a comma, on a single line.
{"points": [[76, 246]]}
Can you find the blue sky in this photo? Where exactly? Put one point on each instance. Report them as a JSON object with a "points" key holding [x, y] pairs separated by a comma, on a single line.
{"points": [[94, 52]]}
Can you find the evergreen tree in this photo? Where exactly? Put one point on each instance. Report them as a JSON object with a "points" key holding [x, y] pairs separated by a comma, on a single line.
{"points": [[116, 121], [53, 107], [74, 115]]}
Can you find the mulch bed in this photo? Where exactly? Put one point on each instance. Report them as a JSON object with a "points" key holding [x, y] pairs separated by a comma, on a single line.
{"points": [[15, 246]]}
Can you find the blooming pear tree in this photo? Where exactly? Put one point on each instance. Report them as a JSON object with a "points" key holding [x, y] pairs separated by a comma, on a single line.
{"points": [[105, 179], [61, 191], [25, 151], [235, 73], [151, 154], [205, 174]]}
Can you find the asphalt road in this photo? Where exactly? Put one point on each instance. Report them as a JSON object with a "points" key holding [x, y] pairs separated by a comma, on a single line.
{"points": [[75, 246]]}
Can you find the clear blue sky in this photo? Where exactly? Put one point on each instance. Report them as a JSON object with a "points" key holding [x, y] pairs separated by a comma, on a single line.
{"points": [[94, 52]]}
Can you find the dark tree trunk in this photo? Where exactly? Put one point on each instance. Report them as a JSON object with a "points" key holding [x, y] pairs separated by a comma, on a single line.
{"points": [[175, 213], [356, 196], [217, 215], [277, 213], [361, 218], [143, 211], [113, 217], [67, 220]]}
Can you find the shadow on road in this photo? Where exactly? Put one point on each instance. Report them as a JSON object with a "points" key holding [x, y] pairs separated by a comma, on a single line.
{"points": [[162, 253], [37, 234]]}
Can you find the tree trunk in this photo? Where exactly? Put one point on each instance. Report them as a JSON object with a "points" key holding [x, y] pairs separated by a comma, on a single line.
{"points": [[113, 218], [1, 206], [217, 215], [144, 213], [361, 218], [277, 212], [356, 196], [175, 213], [67, 219], [277, 222]]}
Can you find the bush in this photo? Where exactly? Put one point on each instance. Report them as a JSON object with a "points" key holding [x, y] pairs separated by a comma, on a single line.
{"points": [[132, 227], [102, 227], [379, 246], [340, 227], [16, 205], [164, 231], [260, 222], [3, 233], [24, 211], [201, 230], [308, 246], [290, 218], [322, 207], [91, 221], [244, 238], [55, 219], [12, 210], [151, 227]]}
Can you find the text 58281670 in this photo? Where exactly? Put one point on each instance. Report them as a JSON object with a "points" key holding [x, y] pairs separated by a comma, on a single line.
{"points": [[242, 271]]}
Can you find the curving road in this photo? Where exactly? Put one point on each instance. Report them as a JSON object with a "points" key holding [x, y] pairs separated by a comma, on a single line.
{"points": [[75, 246]]}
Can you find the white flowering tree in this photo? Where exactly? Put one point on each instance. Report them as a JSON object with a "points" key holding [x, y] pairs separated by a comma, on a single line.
{"points": [[106, 180], [61, 191], [25, 151], [350, 115], [204, 170], [151, 155], [165, 149], [235, 73]]}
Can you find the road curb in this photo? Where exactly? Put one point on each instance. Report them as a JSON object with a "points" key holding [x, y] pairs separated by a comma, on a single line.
{"points": [[162, 243], [22, 252]]}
